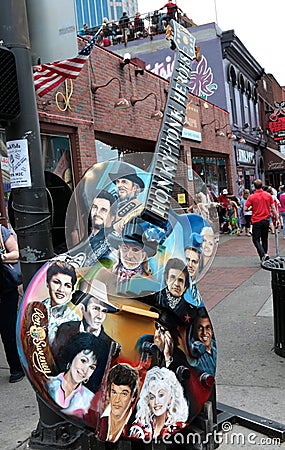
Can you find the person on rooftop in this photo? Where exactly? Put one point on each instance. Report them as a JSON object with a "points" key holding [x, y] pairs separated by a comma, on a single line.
{"points": [[172, 10]]}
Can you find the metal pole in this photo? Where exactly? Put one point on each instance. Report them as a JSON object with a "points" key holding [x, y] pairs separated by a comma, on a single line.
{"points": [[30, 205]]}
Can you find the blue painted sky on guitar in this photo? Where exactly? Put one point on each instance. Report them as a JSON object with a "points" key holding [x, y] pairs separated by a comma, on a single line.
{"points": [[260, 28]]}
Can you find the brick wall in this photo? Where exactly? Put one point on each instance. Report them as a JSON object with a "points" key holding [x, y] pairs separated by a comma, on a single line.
{"points": [[94, 115]]}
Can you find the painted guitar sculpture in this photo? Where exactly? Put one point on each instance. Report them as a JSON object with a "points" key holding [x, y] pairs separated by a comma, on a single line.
{"points": [[114, 334]]}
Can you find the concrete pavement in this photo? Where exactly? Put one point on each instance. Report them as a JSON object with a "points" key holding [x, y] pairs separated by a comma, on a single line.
{"points": [[250, 376]]}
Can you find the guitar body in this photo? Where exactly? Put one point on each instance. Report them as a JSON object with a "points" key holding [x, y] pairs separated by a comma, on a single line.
{"points": [[114, 334]]}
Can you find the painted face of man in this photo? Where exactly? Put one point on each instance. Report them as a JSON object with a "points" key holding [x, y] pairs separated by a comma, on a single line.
{"points": [[82, 366], [193, 261], [60, 288], [132, 255], [94, 316], [100, 213], [208, 244], [205, 332], [126, 188], [159, 399], [120, 400], [176, 282]]}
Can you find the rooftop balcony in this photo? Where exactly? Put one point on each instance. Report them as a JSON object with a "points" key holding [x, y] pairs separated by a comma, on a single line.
{"points": [[141, 26]]}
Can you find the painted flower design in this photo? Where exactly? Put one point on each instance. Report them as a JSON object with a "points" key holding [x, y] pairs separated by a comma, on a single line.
{"points": [[201, 80]]}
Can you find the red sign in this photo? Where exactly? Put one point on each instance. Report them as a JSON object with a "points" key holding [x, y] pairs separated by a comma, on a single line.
{"points": [[278, 125]]}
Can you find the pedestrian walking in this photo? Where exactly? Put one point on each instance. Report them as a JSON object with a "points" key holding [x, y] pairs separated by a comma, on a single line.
{"points": [[244, 216], [262, 204], [222, 207], [9, 297], [232, 216], [272, 224]]}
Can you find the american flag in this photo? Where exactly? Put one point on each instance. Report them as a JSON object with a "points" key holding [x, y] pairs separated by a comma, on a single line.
{"points": [[49, 76]]}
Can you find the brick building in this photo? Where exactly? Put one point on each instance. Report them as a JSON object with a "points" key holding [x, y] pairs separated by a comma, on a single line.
{"points": [[80, 126]]}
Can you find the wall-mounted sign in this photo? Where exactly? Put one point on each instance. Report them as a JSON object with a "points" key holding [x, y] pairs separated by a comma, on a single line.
{"points": [[19, 165], [181, 198], [277, 125], [192, 124], [245, 156]]}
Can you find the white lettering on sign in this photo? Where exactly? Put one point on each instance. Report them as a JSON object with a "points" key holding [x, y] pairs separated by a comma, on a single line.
{"points": [[273, 165], [245, 156]]}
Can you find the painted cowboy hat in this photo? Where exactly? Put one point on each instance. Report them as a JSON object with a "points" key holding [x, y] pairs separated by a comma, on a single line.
{"points": [[96, 289], [195, 240], [170, 321], [128, 172], [134, 233]]}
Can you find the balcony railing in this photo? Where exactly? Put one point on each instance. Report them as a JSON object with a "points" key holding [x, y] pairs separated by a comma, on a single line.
{"points": [[138, 27]]}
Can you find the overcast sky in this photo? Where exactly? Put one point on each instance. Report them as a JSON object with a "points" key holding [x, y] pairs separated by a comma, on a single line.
{"points": [[261, 29]]}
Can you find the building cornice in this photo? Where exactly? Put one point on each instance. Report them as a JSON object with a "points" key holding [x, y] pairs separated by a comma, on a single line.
{"points": [[235, 52]]}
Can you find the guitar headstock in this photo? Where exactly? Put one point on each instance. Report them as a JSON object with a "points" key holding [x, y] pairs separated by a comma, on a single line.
{"points": [[181, 39]]}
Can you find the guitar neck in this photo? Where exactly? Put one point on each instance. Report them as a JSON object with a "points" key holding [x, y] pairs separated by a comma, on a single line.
{"points": [[167, 149]]}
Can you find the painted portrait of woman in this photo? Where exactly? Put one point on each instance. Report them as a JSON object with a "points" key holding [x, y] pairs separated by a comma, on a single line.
{"points": [[162, 408], [81, 355]]}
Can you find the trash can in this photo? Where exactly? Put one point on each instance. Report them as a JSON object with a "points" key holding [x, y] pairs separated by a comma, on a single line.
{"points": [[277, 269]]}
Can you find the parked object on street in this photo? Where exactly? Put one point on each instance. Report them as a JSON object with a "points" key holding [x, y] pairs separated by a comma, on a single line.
{"points": [[277, 269]]}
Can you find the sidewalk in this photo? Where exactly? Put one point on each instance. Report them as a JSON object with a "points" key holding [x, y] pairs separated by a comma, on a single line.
{"points": [[250, 376]]}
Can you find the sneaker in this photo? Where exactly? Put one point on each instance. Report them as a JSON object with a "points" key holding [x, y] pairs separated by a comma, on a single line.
{"points": [[16, 376], [265, 258]]}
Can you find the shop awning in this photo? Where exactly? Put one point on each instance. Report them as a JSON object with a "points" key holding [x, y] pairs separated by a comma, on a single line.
{"points": [[273, 160]]}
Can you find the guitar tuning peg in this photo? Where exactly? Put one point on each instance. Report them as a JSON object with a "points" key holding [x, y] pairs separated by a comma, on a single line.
{"points": [[168, 32], [197, 53]]}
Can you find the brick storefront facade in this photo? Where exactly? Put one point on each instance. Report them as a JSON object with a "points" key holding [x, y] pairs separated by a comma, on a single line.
{"points": [[89, 116]]}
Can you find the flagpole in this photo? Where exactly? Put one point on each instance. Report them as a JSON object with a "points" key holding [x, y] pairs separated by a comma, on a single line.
{"points": [[216, 13]]}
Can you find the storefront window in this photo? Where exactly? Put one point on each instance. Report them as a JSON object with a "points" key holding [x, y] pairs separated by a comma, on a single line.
{"points": [[211, 171], [57, 156]]}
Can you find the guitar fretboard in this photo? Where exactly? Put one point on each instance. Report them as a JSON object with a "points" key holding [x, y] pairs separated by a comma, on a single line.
{"points": [[168, 145]]}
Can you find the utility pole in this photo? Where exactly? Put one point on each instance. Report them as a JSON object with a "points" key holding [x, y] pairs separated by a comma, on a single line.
{"points": [[32, 218]]}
